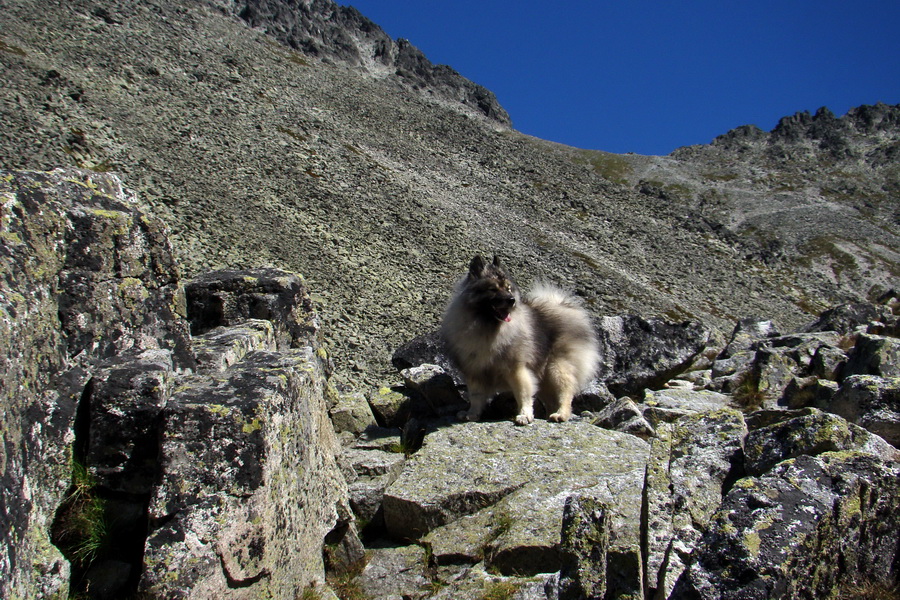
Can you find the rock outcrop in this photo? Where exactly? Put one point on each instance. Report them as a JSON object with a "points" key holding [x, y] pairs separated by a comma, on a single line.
{"points": [[730, 433], [197, 419]]}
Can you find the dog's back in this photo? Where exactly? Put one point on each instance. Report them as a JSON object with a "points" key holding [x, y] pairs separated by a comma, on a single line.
{"points": [[564, 329]]}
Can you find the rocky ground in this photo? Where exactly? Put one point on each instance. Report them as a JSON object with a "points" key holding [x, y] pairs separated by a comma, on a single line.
{"points": [[184, 440], [379, 188]]}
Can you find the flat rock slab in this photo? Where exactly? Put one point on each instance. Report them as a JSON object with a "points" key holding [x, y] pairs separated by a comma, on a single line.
{"points": [[514, 482]]}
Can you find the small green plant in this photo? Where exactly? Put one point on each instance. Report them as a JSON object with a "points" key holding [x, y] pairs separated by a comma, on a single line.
{"points": [[747, 392], [80, 529], [500, 590], [310, 593]]}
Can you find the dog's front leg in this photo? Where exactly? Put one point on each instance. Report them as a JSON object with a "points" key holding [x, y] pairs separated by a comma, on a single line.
{"points": [[523, 387], [478, 400]]}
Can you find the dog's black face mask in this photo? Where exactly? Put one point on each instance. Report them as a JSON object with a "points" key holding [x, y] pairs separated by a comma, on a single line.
{"points": [[491, 293]]}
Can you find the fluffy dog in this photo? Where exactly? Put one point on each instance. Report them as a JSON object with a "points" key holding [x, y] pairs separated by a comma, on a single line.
{"points": [[543, 345]]}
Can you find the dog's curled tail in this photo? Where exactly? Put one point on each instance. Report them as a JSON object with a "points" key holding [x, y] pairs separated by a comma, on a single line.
{"points": [[545, 293]]}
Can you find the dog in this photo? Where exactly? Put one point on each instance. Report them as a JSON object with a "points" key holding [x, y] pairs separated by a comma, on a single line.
{"points": [[541, 346]]}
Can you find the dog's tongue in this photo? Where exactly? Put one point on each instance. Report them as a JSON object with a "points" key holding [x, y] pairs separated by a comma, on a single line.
{"points": [[508, 318]]}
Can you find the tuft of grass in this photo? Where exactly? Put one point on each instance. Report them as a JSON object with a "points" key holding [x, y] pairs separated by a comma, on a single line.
{"points": [[747, 394], [81, 530], [500, 590], [868, 590]]}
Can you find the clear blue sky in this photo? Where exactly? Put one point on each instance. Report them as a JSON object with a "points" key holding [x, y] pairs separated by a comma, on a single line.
{"points": [[648, 77]]}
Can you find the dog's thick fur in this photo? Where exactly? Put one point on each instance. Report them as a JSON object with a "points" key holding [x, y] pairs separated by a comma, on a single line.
{"points": [[541, 346]]}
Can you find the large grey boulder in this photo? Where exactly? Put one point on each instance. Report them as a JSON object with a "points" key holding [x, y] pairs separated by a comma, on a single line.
{"points": [[801, 531], [640, 353], [249, 486], [874, 355], [690, 462], [501, 492], [807, 432]]}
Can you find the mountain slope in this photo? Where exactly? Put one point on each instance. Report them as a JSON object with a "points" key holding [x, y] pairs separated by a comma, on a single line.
{"points": [[378, 192]]}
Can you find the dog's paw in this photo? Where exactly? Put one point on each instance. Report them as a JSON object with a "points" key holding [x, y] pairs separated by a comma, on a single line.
{"points": [[559, 417], [524, 420]]}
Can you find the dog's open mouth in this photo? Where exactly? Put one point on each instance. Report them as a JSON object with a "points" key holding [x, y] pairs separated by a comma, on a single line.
{"points": [[503, 313]]}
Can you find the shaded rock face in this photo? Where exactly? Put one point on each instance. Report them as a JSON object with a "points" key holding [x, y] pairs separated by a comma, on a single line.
{"points": [[212, 453], [800, 530]]}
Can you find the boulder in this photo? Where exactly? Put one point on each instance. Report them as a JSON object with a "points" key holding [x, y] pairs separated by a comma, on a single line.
{"points": [[236, 297], [849, 318], [249, 485], [691, 462], [668, 405], [746, 333], [801, 531], [871, 402], [352, 413], [642, 353], [625, 416], [436, 387], [584, 547], [808, 432], [518, 478], [427, 349], [874, 355]]}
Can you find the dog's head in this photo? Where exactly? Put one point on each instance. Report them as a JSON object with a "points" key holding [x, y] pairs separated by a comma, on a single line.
{"points": [[490, 292]]}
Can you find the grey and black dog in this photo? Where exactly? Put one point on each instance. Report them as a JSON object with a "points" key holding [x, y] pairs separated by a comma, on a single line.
{"points": [[540, 346]]}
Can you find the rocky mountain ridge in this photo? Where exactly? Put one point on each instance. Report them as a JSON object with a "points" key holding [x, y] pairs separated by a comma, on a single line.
{"points": [[330, 31]]}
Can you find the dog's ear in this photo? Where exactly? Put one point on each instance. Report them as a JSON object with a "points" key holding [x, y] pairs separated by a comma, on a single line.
{"points": [[476, 267], [497, 262]]}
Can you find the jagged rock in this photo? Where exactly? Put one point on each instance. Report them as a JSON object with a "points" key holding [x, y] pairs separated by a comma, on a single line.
{"points": [[800, 531], [427, 349], [810, 391], [828, 363], [475, 583], [328, 30], [808, 432], [691, 461], [235, 297], [522, 476], [395, 573], [668, 405], [126, 398], [390, 407], [625, 416], [352, 414], [642, 353], [251, 447], [83, 276], [219, 348], [848, 318], [747, 332], [874, 355], [436, 386], [594, 398], [584, 546], [870, 402]]}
